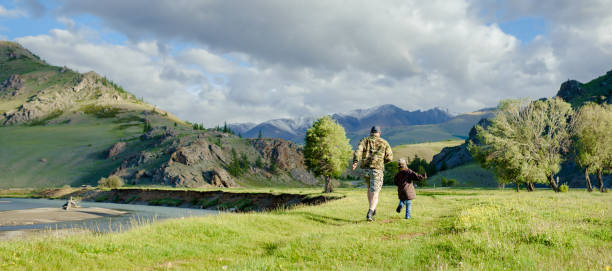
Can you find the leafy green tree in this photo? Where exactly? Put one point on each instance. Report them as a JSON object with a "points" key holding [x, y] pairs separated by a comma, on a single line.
{"points": [[327, 149], [592, 132], [525, 141], [443, 181]]}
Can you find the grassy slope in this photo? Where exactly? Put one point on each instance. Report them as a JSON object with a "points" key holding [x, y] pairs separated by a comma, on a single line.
{"points": [[423, 150], [468, 175], [451, 229], [74, 152], [457, 128]]}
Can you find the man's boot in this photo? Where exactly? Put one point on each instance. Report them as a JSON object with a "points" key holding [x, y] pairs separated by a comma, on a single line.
{"points": [[369, 215]]}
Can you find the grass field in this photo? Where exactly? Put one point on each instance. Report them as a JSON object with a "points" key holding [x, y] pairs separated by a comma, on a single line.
{"points": [[423, 150], [468, 175], [451, 230]]}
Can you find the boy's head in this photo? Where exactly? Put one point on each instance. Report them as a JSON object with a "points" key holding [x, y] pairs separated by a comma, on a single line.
{"points": [[401, 163]]}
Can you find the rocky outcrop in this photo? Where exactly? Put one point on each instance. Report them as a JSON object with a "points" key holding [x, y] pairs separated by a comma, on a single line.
{"points": [[285, 154], [116, 149], [85, 89], [570, 89], [13, 86], [219, 177], [455, 156]]}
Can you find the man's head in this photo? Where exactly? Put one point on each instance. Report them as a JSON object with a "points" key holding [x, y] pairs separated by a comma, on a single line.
{"points": [[375, 131]]}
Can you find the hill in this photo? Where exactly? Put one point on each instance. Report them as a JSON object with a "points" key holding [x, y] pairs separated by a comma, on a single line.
{"points": [[423, 150], [598, 90], [60, 127]]}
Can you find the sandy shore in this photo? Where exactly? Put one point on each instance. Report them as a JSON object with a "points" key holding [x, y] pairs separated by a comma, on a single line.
{"points": [[52, 215]]}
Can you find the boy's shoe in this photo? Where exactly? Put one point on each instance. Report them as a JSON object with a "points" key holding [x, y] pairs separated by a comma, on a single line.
{"points": [[399, 208], [369, 215], [373, 213]]}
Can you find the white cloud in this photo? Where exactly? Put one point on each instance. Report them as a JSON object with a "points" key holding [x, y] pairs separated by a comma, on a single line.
{"points": [[254, 61], [11, 13]]}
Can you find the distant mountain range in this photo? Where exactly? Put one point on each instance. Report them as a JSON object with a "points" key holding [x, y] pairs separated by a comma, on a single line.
{"points": [[356, 122], [399, 126]]}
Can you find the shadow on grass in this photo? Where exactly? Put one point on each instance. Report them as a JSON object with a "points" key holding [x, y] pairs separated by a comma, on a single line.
{"points": [[328, 220]]}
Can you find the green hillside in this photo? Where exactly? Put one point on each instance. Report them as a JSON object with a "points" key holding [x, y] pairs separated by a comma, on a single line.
{"points": [[467, 175], [456, 128], [60, 127], [423, 150]]}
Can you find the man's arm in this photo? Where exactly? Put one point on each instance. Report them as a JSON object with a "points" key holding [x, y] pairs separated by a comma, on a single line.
{"points": [[388, 153]]}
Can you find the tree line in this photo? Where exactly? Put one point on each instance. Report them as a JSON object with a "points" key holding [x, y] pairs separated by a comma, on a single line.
{"points": [[526, 142]]}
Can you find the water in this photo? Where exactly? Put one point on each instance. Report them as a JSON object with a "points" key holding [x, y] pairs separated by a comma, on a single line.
{"points": [[136, 215]]}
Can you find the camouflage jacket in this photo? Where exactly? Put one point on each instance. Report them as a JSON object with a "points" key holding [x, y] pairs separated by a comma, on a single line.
{"points": [[373, 152]]}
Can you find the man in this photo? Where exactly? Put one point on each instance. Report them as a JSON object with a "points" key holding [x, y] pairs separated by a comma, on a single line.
{"points": [[373, 152]]}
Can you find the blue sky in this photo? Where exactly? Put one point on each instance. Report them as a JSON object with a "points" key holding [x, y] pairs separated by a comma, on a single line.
{"points": [[253, 61]]}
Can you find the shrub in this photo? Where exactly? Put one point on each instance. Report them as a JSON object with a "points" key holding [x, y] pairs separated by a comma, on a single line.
{"points": [[112, 182], [444, 181], [563, 188], [451, 182]]}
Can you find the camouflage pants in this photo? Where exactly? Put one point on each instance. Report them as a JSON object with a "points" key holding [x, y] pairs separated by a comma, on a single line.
{"points": [[373, 178]]}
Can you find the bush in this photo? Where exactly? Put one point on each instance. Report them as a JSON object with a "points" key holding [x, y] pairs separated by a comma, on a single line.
{"points": [[110, 182], [563, 188], [443, 181], [451, 182]]}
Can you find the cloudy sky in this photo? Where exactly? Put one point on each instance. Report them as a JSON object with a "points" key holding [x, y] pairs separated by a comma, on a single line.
{"points": [[250, 61]]}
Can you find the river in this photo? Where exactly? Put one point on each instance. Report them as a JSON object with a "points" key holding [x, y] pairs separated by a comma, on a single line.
{"points": [[135, 215]]}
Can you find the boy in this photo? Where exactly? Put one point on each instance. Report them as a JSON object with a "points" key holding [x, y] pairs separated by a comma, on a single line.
{"points": [[405, 186]]}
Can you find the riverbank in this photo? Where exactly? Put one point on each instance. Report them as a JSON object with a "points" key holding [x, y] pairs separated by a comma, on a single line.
{"points": [[224, 200]]}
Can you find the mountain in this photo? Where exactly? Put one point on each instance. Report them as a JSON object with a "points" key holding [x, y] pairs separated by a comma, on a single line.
{"points": [[356, 123], [60, 127], [598, 90]]}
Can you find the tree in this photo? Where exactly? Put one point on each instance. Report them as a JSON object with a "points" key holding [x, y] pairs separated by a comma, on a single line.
{"points": [[259, 134], [592, 133], [112, 182], [326, 150], [391, 169], [235, 167], [525, 141], [259, 162]]}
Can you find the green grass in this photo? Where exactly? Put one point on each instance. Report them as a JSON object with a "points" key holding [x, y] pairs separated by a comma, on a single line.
{"points": [[423, 150], [468, 175], [73, 154], [451, 229]]}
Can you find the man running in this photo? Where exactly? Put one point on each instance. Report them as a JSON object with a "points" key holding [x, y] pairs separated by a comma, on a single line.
{"points": [[373, 152]]}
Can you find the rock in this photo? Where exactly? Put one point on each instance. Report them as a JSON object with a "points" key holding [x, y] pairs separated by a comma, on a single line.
{"points": [[198, 151], [219, 177], [12, 86], [570, 89], [116, 149], [285, 154], [43, 160], [142, 173], [459, 155]]}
